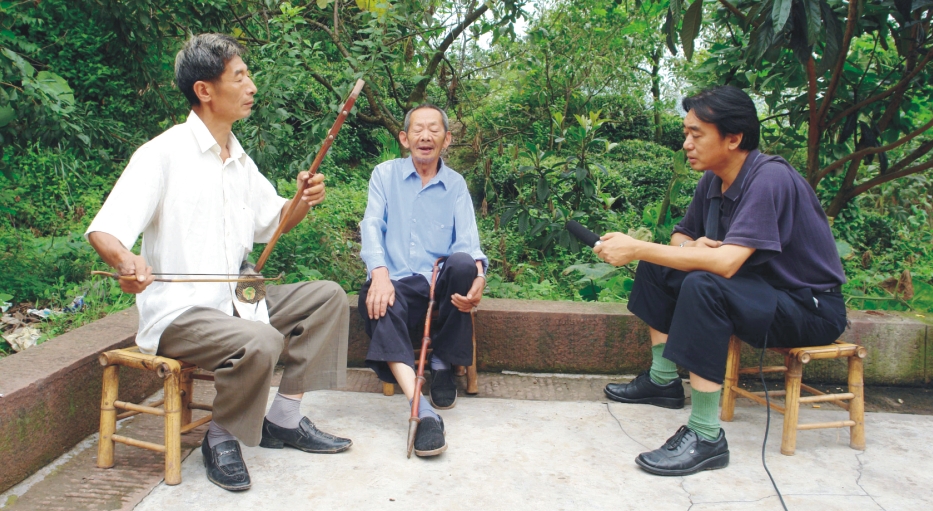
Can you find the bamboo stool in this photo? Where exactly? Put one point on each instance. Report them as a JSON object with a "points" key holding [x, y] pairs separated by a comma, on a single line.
{"points": [[388, 389], [176, 406], [794, 360]]}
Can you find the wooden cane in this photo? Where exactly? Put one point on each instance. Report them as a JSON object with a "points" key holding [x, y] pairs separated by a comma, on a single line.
{"points": [[414, 420], [344, 112]]}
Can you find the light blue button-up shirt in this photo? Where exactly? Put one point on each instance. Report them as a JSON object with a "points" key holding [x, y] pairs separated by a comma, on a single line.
{"points": [[407, 227]]}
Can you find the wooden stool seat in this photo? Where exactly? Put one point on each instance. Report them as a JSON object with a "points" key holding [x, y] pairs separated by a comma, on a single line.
{"points": [[175, 406], [852, 401], [388, 389]]}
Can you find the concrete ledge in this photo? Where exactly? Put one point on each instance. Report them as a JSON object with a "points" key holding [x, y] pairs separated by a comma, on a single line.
{"points": [[51, 394], [587, 337]]}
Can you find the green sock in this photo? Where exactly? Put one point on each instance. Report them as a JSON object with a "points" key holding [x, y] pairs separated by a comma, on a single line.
{"points": [[663, 371], [704, 417]]}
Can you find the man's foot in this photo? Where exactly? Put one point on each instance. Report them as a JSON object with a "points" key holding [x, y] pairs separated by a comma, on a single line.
{"points": [[686, 453], [225, 465], [429, 440], [644, 390], [443, 389], [305, 437]]}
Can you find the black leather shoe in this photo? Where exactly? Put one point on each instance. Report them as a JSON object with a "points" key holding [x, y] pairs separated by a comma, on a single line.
{"points": [[644, 390], [443, 389], [686, 453], [429, 440], [225, 465], [305, 437]]}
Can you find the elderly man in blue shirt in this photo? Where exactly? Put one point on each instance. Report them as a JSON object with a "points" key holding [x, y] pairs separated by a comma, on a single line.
{"points": [[419, 209]]}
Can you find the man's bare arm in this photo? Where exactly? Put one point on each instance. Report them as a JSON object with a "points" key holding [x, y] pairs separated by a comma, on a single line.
{"points": [[125, 262]]}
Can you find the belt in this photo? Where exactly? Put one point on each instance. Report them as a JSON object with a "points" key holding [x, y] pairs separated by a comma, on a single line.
{"points": [[837, 289]]}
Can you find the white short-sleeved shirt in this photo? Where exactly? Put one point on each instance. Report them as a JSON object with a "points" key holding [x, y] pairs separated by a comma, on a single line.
{"points": [[197, 214]]}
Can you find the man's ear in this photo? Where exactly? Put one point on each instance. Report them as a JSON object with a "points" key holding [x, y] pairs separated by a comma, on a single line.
{"points": [[447, 139], [203, 90], [403, 138], [734, 140]]}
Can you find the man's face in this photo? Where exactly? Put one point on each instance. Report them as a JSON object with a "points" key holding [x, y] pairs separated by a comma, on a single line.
{"points": [[426, 136], [233, 92], [706, 148]]}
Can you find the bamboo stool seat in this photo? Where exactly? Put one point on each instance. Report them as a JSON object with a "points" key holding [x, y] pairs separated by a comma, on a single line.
{"points": [[852, 401], [388, 389], [175, 406]]}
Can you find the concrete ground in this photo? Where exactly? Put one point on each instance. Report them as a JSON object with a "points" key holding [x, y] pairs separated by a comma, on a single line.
{"points": [[528, 442]]}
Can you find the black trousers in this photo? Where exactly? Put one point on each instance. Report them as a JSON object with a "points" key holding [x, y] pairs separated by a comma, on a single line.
{"points": [[392, 336], [700, 311]]}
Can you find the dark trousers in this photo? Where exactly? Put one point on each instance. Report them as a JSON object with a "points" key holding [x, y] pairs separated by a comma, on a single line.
{"points": [[700, 311], [393, 334]]}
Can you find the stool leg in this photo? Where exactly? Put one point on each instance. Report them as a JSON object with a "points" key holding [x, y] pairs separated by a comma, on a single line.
{"points": [[791, 405], [108, 416], [856, 404], [186, 385], [388, 389], [733, 361], [172, 409], [472, 387]]}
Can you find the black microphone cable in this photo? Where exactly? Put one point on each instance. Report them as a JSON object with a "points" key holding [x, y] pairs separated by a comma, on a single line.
{"points": [[761, 374]]}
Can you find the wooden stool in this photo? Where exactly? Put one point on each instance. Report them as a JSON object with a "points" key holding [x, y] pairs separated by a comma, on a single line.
{"points": [[176, 406], [388, 389], [794, 359]]}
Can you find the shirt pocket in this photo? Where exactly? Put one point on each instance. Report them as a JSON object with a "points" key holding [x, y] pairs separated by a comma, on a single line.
{"points": [[439, 238]]}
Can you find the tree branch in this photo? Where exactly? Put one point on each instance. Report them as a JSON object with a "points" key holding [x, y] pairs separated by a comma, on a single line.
{"points": [[875, 150], [843, 54], [735, 10], [417, 95], [888, 176]]}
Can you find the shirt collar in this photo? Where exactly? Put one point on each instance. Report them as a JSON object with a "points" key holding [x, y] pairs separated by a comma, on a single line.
{"points": [[715, 186], [442, 176], [206, 141]]}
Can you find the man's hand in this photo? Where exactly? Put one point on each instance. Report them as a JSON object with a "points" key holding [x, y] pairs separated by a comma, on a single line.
{"points": [[314, 191], [136, 266], [616, 248], [474, 295], [381, 293]]}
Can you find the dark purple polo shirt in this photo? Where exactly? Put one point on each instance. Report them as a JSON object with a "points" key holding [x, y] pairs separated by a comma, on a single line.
{"points": [[771, 208]]}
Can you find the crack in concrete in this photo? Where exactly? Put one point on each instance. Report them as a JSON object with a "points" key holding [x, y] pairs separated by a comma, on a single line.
{"points": [[609, 409], [858, 480], [689, 495]]}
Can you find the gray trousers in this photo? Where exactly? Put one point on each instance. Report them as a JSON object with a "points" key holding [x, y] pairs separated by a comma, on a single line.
{"points": [[310, 325]]}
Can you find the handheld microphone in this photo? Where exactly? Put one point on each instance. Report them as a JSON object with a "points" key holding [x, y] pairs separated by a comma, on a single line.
{"points": [[586, 236]]}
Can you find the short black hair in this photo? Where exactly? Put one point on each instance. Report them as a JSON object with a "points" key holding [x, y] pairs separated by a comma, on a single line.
{"points": [[203, 58], [731, 110]]}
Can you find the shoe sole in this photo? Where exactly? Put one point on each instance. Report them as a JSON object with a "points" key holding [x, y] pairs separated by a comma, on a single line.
{"points": [[224, 486], [433, 452], [278, 444], [438, 407], [673, 403], [714, 463]]}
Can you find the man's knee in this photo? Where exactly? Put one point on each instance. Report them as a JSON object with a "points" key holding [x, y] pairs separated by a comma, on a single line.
{"points": [[701, 281], [333, 292], [266, 345], [460, 263]]}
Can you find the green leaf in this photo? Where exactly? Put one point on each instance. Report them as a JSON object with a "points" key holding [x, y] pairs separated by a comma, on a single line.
{"points": [[543, 189], [780, 12], [7, 114], [691, 28], [844, 249], [814, 22], [834, 33]]}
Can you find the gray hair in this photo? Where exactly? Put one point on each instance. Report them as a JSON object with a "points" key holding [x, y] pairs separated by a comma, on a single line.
{"points": [[407, 123], [203, 58]]}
